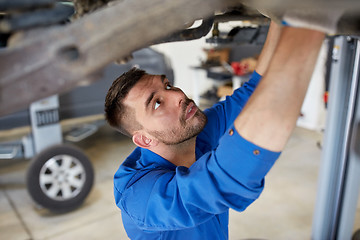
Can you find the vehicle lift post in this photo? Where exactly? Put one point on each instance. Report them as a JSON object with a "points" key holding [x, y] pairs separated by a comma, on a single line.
{"points": [[45, 123], [339, 176]]}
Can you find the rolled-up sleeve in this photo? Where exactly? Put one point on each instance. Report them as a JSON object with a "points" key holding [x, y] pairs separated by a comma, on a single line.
{"points": [[231, 176], [245, 162]]}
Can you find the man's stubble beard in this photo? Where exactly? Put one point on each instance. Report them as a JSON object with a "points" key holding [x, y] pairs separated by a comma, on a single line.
{"points": [[183, 133]]}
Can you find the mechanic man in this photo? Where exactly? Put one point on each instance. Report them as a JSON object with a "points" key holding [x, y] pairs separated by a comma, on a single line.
{"points": [[191, 166]]}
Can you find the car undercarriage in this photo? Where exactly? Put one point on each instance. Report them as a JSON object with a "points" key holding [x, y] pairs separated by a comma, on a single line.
{"points": [[49, 57]]}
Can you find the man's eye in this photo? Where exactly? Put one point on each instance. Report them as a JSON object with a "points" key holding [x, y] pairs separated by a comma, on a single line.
{"points": [[157, 105], [168, 86]]}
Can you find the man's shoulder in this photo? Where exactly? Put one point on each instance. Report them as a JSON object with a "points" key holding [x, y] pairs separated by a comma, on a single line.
{"points": [[130, 167], [135, 182], [138, 164], [126, 171]]}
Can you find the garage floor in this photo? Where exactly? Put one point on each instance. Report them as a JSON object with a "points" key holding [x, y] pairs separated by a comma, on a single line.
{"points": [[284, 210]]}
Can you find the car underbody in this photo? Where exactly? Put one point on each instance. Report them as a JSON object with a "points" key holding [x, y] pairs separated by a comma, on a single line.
{"points": [[46, 58]]}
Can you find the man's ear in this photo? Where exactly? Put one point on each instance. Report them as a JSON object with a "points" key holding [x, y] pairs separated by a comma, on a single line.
{"points": [[143, 141]]}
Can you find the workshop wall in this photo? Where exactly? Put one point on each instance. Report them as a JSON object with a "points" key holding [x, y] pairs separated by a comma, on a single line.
{"points": [[184, 56]]}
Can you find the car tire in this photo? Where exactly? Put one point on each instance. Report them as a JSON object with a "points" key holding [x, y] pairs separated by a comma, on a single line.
{"points": [[60, 178]]}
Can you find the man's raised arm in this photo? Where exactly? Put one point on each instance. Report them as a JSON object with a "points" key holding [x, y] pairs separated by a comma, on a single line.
{"points": [[272, 111], [268, 49]]}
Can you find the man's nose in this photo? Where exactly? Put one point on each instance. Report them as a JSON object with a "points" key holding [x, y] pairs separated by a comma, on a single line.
{"points": [[177, 97]]}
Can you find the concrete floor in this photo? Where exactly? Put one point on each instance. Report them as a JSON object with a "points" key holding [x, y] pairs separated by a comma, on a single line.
{"points": [[284, 210]]}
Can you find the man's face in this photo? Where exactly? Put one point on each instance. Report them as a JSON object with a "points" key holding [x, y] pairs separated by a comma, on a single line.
{"points": [[164, 111]]}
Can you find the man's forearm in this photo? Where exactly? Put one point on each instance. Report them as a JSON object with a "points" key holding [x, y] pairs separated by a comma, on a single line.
{"points": [[268, 49], [272, 111]]}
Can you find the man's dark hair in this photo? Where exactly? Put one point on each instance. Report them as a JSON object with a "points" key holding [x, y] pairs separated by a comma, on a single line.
{"points": [[116, 113]]}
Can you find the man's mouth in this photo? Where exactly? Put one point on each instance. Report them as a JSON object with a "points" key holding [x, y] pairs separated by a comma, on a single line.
{"points": [[190, 110]]}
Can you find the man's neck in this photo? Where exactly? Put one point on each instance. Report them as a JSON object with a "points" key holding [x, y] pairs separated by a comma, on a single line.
{"points": [[182, 154]]}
